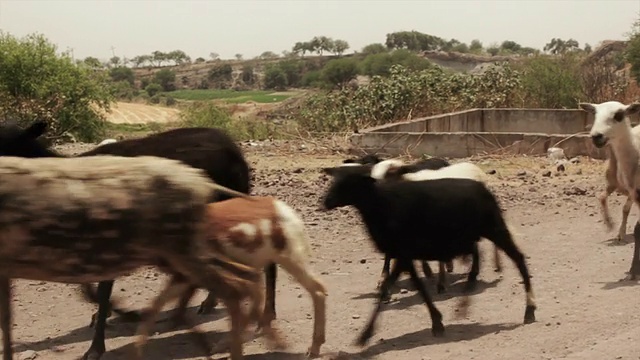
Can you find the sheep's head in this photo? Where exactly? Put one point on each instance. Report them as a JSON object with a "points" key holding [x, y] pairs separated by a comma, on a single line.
{"points": [[348, 183], [611, 120], [15, 141]]}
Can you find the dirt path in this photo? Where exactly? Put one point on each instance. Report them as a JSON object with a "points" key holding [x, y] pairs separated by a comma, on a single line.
{"points": [[584, 312]]}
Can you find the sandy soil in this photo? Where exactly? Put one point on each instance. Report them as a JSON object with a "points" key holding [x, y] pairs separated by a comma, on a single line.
{"points": [[584, 311], [132, 113]]}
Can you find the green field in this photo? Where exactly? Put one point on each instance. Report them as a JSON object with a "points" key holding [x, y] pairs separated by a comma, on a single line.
{"points": [[232, 96]]}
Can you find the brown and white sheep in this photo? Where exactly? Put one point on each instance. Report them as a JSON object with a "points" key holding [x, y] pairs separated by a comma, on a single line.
{"points": [[260, 231]]}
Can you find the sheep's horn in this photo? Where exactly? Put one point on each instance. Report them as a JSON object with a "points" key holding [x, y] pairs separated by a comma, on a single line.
{"points": [[226, 190]]}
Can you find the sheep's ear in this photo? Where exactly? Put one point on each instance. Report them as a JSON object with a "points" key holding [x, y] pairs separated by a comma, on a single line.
{"points": [[588, 107], [632, 108], [35, 130]]}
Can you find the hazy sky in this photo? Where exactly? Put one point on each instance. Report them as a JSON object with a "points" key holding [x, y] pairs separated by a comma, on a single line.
{"points": [[91, 28]]}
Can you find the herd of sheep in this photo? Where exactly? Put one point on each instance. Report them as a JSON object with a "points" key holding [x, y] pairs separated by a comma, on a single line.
{"points": [[179, 200]]}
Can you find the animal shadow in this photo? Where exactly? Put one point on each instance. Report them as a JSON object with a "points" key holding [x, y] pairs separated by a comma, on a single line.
{"points": [[117, 328], [628, 239], [624, 282], [453, 333]]}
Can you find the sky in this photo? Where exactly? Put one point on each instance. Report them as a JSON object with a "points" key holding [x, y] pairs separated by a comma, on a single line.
{"points": [[134, 27]]}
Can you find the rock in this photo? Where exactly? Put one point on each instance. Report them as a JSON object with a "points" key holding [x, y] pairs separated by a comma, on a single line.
{"points": [[363, 261], [521, 173], [491, 172], [560, 168], [547, 173], [27, 355], [555, 153], [355, 316], [574, 160]]}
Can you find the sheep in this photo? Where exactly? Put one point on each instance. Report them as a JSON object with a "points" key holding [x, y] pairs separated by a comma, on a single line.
{"points": [[82, 220], [209, 149], [261, 231], [612, 127], [612, 185], [424, 220]]}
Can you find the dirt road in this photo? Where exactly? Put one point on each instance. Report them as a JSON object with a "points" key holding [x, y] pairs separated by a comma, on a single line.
{"points": [[584, 312]]}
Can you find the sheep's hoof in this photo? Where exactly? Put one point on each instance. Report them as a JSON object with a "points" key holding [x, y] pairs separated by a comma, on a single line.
{"points": [[313, 352], [93, 353], [437, 329], [207, 306], [529, 314], [364, 337]]}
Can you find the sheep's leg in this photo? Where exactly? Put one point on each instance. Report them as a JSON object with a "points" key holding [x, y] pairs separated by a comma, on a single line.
{"points": [[239, 322], [426, 269], [176, 287], [208, 304], [181, 310], [385, 271], [496, 259], [125, 315], [472, 279], [5, 317], [270, 276], [634, 272], [97, 347], [449, 266], [383, 293], [604, 206], [437, 328], [318, 293], [625, 215], [502, 238], [264, 323], [441, 278]]}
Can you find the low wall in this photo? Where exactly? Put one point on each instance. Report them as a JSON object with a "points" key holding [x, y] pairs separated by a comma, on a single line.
{"points": [[481, 131], [463, 144]]}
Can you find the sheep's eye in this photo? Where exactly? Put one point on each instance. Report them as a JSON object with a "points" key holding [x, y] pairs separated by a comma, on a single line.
{"points": [[618, 116]]}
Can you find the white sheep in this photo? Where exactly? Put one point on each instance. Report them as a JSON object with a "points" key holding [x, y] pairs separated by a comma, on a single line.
{"points": [[612, 127]]}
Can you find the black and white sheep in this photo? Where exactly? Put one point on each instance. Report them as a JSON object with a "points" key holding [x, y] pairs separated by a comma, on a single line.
{"points": [[424, 220]]}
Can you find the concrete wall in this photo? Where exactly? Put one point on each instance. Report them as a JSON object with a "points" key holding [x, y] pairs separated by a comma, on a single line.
{"points": [[562, 121], [478, 131]]}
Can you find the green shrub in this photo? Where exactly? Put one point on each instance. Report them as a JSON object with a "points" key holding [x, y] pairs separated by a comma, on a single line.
{"points": [[153, 89], [339, 71]]}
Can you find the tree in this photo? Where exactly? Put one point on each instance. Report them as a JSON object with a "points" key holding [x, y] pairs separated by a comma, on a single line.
{"points": [[238, 56], [248, 76], [321, 44], [268, 55], [340, 46], [587, 48], [115, 61], [275, 78], [37, 83], [199, 60], [166, 79], [376, 48], [159, 57], [92, 62], [475, 46], [632, 53], [558, 46], [214, 55], [511, 47], [302, 47], [122, 73], [178, 57], [340, 71]]}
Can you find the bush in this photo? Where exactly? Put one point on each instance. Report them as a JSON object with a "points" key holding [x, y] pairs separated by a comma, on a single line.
{"points": [[166, 79], [37, 83], [155, 99], [275, 78], [169, 101], [122, 73], [404, 93], [153, 89], [552, 81], [339, 71], [206, 114], [312, 79]]}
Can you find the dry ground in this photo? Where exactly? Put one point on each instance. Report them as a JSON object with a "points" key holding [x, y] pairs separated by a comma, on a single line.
{"points": [[133, 113], [584, 311]]}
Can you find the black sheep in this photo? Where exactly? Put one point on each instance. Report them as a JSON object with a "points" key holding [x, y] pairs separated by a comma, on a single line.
{"points": [[424, 220]]}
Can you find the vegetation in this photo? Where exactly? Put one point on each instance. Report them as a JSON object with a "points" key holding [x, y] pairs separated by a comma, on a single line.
{"points": [[37, 83], [402, 81]]}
